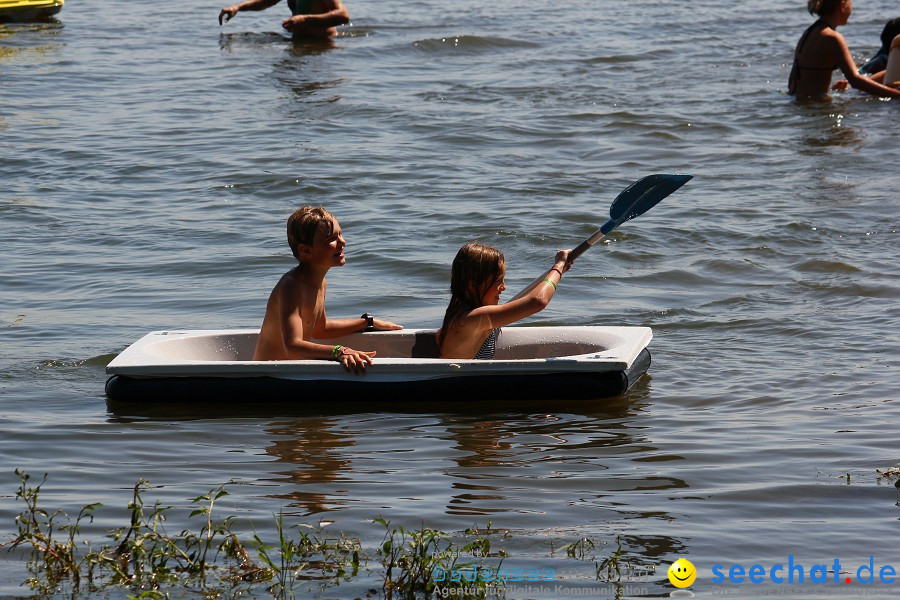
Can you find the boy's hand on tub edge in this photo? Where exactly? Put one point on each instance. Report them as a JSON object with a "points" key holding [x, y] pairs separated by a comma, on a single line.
{"points": [[355, 360]]}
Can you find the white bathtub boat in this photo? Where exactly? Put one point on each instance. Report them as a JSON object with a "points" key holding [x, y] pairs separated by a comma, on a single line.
{"points": [[530, 363]]}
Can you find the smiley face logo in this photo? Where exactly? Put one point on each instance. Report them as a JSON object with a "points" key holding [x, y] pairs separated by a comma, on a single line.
{"points": [[682, 573]]}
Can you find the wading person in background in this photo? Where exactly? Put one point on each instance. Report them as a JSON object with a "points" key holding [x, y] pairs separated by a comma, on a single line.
{"points": [[822, 49], [878, 63], [891, 74], [311, 18]]}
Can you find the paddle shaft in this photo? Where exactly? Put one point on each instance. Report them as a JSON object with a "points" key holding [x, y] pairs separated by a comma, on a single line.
{"points": [[588, 243]]}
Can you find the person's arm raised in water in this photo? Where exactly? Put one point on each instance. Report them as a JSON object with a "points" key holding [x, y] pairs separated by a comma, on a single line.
{"points": [[227, 13]]}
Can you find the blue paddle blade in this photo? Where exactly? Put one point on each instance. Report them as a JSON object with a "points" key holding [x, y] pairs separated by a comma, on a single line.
{"points": [[641, 196]]}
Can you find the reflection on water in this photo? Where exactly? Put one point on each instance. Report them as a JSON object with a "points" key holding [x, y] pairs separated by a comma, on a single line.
{"points": [[306, 77], [491, 463], [296, 69], [236, 42], [317, 453], [827, 127], [510, 469], [484, 443], [310, 46], [248, 40], [307, 91], [652, 551], [28, 42], [836, 135]]}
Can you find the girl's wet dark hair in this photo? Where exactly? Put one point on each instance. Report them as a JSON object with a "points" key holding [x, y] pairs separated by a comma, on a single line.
{"points": [[822, 7], [890, 31], [303, 224], [475, 269]]}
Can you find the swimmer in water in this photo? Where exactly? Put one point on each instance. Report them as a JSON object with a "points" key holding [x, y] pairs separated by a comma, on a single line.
{"points": [[891, 74], [822, 49], [878, 63], [311, 18]]}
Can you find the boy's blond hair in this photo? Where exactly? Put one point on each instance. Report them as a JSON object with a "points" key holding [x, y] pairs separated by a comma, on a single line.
{"points": [[303, 224]]}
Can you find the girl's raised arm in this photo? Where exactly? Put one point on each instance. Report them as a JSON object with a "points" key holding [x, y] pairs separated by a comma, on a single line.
{"points": [[534, 300]]}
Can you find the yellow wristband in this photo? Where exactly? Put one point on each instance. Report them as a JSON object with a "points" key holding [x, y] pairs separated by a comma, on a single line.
{"points": [[547, 280]]}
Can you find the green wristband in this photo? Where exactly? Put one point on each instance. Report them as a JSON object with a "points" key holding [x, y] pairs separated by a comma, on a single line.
{"points": [[547, 280], [336, 351]]}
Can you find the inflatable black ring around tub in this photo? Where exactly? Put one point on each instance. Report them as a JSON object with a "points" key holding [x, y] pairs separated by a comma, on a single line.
{"points": [[469, 390]]}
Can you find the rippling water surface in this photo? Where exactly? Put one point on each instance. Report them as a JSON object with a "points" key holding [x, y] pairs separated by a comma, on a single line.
{"points": [[150, 159]]}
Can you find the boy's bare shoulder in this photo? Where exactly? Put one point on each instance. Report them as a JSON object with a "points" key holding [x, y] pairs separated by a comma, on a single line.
{"points": [[290, 278], [287, 285], [292, 285]]}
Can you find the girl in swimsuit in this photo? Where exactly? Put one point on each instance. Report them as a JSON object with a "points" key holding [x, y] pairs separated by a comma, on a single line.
{"points": [[822, 49], [474, 316]]}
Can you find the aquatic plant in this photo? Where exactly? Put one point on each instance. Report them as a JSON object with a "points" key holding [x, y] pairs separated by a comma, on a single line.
{"points": [[610, 569], [334, 558], [144, 561], [426, 562], [889, 472], [578, 550], [51, 560]]}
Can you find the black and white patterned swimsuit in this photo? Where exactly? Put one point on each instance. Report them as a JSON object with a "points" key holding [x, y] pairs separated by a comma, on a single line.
{"points": [[486, 352]]}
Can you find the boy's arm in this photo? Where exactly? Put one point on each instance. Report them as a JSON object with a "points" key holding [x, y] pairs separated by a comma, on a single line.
{"points": [[327, 329], [299, 349], [295, 346]]}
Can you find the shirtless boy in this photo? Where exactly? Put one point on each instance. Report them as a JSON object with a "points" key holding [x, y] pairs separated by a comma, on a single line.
{"points": [[295, 313], [311, 18]]}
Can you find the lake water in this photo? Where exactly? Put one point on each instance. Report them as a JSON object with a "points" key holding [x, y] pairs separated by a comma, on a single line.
{"points": [[151, 157]]}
